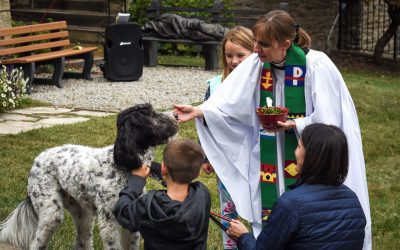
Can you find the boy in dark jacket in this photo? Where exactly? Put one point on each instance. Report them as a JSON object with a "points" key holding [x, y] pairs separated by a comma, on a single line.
{"points": [[176, 218]]}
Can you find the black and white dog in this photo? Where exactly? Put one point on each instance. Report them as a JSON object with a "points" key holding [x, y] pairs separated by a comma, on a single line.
{"points": [[86, 181]]}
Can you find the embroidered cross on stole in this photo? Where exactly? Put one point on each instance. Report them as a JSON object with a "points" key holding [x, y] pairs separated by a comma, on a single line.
{"points": [[295, 70]]}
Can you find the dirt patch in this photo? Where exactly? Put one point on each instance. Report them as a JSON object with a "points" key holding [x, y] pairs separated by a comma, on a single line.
{"points": [[357, 61], [6, 246]]}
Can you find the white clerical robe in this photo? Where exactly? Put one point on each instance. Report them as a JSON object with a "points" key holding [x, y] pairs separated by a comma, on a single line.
{"points": [[231, 137]]}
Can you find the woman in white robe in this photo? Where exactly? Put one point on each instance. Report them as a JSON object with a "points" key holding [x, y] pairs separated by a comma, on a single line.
{"points": [[231, 137]]}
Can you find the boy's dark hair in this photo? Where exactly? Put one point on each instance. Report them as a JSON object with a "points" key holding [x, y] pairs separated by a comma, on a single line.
{"points": [[326, 159], [183, 159]]}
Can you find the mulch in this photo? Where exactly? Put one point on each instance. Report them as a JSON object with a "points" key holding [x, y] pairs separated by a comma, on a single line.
{"points": [[365, 63]]}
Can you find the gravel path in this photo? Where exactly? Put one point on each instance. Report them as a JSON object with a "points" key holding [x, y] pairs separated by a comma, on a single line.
{"points": [[161, 86]]}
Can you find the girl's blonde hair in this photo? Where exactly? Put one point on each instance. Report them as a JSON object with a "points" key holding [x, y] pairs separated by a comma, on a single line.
{"points": [[241, 36], [278, 26]]}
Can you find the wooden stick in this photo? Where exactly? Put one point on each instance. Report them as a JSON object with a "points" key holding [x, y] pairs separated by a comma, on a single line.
{"points": [[220, 216]]}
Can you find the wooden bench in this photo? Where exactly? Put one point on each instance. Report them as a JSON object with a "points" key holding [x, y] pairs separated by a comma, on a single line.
{"points": [[216, 15], [43, 44]]}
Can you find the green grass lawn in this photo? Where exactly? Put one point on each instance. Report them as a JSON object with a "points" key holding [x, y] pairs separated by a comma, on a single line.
{"points": [[181, 61], [376, 96]]}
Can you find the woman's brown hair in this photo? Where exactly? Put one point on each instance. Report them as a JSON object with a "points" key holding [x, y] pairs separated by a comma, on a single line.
{"points": [[278, 26], [241, 36]]}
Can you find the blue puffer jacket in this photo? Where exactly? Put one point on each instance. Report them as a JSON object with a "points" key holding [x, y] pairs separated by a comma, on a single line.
{"points": [[312, 217]]}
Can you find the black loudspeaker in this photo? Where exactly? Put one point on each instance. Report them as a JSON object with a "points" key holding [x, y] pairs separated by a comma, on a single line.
{"points": [[123, 52]]}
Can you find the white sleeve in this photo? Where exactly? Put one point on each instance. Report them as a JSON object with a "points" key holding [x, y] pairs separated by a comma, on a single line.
{"points": [[231, 137], [323, 90]]}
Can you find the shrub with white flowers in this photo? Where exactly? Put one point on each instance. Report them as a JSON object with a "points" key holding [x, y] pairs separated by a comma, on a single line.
{"points": [[12, 87]]}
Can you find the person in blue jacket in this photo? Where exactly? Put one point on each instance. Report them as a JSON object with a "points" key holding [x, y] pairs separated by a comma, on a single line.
{"points": [[319, 212]]}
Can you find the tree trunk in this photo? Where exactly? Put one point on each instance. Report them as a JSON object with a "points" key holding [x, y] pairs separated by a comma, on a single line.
{"points": [[5, 15], [382, 41], [394, 14]]}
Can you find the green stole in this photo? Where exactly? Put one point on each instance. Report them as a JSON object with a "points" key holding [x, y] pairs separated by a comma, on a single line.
{"points": [[295, 70]]}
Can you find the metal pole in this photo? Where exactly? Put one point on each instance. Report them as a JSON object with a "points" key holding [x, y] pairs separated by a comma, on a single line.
{"points": [[395, 43], [342, 9], [330, 33], [218, 5], [109, 11], [284, 6]]}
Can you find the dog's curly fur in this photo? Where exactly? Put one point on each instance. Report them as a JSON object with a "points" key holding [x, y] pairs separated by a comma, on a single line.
{"points": [[86, 181]]}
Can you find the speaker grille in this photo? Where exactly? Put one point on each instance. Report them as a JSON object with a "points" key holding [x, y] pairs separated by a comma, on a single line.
{"points": [[123, 52]]}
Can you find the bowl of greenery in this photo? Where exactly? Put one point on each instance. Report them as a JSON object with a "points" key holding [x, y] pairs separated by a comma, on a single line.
{"points": [[269, 116]]}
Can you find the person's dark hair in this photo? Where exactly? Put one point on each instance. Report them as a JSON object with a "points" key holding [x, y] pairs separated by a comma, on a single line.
{"points": [[183, 159], [326, 159], [279, 26]]}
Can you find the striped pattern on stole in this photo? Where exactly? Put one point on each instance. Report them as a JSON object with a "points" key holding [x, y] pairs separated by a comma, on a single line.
{"points": [[295, 70]]}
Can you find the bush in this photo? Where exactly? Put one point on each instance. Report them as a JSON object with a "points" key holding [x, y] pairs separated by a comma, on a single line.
{"points": [[12, 87], [137, 8]]}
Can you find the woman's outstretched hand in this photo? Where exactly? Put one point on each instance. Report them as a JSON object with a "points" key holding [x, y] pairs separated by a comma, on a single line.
{"points": [[186, 113]]}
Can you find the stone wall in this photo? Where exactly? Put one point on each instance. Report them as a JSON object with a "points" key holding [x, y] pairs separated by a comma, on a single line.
{"points": [[374, 23], [316, 17], [5, 16]]}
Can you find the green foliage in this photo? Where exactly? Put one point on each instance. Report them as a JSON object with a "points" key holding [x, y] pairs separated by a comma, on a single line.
{"points": [[181, 61], [188, 3], [15, 23], [270, 110], [137, 8], [12, 87], [178, 49]]}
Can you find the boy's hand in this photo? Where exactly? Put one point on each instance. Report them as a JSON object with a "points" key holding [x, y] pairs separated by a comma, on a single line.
{"points": [[143, 171], [236, 229], [207, 168]]}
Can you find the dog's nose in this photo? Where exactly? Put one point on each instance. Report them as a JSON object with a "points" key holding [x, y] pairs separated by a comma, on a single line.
{"points": [[171, 114], [175, 115]]}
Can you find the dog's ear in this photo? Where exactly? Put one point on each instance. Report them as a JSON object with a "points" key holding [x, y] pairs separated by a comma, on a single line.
{"points": [[138, 124], [126, 156], [130, 133]]}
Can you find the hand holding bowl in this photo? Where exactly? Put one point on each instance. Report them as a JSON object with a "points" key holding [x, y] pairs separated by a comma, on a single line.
{"points": [[268, 116]]}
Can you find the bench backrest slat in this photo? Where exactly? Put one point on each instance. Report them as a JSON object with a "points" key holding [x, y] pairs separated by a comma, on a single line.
{"points": [[30, 38], [248, 12], [33, 47], [34, 38], [33, 28], [184, 9]]}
